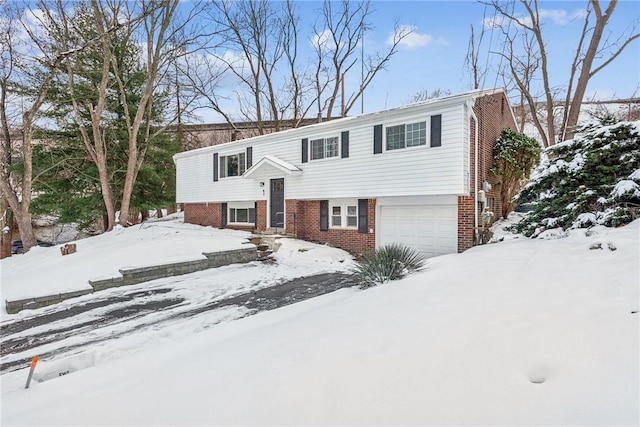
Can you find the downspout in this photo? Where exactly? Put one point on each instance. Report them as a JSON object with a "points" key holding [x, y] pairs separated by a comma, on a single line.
{"points": [[475, 172]]}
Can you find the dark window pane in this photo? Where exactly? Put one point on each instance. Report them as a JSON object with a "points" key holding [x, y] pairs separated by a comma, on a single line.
{"points": [[242, 215], [395, 137]]}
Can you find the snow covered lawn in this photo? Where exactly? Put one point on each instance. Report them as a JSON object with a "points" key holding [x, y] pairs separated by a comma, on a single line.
{"points": [[44, 271], [522, 332]]}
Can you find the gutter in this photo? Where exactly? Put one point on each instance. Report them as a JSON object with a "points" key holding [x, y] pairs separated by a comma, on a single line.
{"points": [[475, 171]]}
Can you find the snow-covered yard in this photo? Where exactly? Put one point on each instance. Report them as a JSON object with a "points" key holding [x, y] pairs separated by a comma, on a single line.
{"points": [[522, 332], [43, 271]]}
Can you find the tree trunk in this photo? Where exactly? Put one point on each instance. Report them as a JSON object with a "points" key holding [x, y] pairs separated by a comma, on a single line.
{"points": [[585, 71]]}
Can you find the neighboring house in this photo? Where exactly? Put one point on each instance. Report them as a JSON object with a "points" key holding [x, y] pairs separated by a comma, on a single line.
{"points": [[406, 175]]}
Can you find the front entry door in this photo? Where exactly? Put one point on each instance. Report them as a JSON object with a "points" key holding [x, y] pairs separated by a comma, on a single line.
{"points": [[277, 203]]}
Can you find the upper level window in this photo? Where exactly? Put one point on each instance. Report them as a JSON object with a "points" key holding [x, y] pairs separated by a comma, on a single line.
{"points": [[233, 165], [409, 135], [324, 148]]}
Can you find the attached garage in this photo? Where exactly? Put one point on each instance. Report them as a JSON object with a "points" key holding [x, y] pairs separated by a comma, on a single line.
{"points": [[429, 229]]}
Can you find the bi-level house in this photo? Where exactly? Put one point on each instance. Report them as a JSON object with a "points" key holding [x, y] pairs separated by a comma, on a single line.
{"points": [[411, 175]]}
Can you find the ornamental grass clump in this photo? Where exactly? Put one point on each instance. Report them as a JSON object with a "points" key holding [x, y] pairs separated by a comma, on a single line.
{"points": [[390, 262]]}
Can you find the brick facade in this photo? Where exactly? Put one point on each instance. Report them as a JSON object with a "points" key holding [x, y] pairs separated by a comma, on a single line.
{"points": [[202, 214], [303, 221], [494, 114]]}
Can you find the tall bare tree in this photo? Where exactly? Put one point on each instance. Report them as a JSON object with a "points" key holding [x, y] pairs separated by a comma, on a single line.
{"points": [[157, 29], [27, 73], [595, 50], [260, 45], [338, 37]]}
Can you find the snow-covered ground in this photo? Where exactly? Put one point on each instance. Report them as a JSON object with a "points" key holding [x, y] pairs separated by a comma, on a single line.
{"points": [[44, 271], [521, 332]]}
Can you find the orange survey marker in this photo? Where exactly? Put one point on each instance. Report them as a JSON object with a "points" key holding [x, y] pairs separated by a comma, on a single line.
{"points": [[34, 362]]}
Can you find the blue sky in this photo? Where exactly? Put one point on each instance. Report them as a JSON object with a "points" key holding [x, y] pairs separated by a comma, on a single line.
{"points": [[435, 58]]}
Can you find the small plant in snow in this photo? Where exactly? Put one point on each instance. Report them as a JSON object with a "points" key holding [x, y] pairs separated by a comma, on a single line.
{"points": [[390, 262]]}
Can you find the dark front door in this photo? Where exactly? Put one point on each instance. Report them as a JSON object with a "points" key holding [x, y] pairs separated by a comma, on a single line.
{"points": [[277, 203]]}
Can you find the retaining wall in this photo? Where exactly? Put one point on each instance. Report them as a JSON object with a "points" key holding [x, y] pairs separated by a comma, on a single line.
{"points": [[133, 276]]}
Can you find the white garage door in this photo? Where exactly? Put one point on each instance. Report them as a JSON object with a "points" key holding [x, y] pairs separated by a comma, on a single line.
{"points": [[431, 230]]}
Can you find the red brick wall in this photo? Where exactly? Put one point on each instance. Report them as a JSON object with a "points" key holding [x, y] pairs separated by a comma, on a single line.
{"points": [[209, 214], [202, 213], [261, 215], [303, 221], [493, 115]]}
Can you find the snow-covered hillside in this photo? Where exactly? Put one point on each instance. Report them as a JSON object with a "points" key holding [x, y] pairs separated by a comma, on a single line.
{"points": [[522, 332]]}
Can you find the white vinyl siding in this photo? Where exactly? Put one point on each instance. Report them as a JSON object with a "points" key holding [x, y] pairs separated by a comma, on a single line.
{"points": [[420, 170]]}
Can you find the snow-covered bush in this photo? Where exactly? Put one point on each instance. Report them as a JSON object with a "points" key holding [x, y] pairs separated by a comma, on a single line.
{"points": [[390, 262], [592, 179]]}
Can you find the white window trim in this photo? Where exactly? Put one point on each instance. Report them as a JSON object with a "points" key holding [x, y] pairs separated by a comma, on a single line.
{"points": [[324, 148], [240, 205], [343, 204], [222, 171], [427, 125]]}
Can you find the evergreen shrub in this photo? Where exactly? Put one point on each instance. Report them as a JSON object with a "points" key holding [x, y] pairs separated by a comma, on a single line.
{"points": [[390, 262]]}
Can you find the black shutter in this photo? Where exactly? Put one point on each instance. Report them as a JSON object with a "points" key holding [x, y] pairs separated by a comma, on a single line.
{"points": [[363, 211], [305, 150], [255, 214], [249, 157], [377, 139], [436, 130], [324, 215], [215, 167], [223, 215], [344, 139]]}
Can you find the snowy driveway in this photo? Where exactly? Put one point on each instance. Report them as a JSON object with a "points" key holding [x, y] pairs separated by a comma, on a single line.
{"points": [[109, 324]]}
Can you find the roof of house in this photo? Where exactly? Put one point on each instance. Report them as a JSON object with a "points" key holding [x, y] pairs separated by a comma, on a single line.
{"points": [[457, 98]]}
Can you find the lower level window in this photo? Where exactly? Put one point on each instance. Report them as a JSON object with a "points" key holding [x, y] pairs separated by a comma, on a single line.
{"points": [[344, 214], [242, 215]]}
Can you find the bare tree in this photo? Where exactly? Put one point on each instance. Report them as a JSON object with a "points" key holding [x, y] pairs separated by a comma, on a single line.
{"points": [[593, 53], [93, 139], [338, 36], [261, 44], [472, 60], [27, 73]]}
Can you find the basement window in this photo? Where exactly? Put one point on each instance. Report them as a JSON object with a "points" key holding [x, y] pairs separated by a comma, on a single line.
{"points": [[242, 213]]}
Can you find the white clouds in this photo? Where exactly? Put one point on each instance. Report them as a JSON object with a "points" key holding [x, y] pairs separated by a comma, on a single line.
{"points": [[323, 41], [414, 39], [557, 16]]}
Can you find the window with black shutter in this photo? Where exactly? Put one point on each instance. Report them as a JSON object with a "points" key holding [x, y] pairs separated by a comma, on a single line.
{"points": [[223, 214], [377, 139], [249, 157], [305, 150], [324, 215], [436, 130], [344, 144], [215, 167], [363, 210]]}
